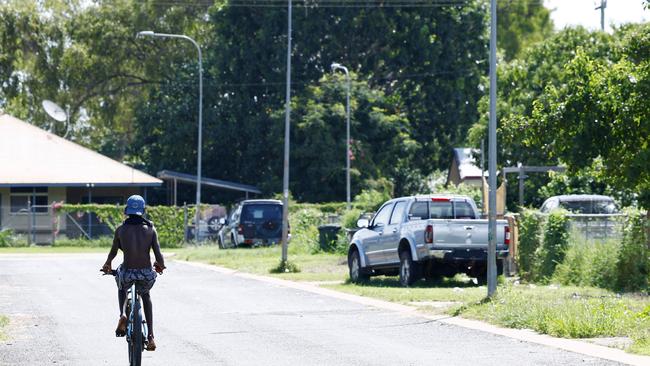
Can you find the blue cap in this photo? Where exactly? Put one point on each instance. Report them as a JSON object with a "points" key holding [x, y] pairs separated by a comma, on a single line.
{"points": [[134, 205]]}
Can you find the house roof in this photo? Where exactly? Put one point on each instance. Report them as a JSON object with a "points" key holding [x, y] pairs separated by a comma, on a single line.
{"points": [[465, 161], [30, 156]]}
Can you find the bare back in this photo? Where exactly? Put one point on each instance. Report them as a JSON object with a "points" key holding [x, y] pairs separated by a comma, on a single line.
{"points": [[136, 238]]}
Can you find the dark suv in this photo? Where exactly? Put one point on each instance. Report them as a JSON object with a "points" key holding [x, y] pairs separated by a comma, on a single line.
{"points": [[252, 223]]}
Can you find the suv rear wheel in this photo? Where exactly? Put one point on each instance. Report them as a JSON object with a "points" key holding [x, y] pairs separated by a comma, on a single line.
{"points": [[357, 274], [409, 271]]}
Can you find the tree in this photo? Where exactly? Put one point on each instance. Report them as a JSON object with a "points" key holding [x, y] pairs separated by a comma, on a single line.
{"points": [[520, 24], [598, 110], [381, 142], [84, 56]]}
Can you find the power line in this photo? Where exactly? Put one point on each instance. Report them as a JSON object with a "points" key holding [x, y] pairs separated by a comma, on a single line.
{"points": [[315, 4]]}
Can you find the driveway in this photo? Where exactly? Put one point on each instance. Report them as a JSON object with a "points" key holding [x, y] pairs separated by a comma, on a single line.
{"points": [[64, 313]]}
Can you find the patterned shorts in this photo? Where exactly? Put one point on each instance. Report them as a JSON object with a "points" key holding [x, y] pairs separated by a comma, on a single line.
{"points": [[143, 278]]}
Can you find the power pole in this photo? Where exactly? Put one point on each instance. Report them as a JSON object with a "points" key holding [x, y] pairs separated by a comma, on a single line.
{"points": [[287, 124], [602, 7], [492, 157]]}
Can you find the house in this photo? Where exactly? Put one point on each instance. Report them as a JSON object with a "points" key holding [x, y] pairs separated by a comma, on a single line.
{"points": [[463, 169], [39, 168]]}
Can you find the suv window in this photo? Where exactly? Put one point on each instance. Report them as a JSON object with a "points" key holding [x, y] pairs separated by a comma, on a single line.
{"points": [[419, 210], [261, 212], [398, 213], [381, 218]]}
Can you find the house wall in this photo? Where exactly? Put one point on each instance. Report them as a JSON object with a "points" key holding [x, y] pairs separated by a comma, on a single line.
{"points": [[108, 195], [42, 223]]}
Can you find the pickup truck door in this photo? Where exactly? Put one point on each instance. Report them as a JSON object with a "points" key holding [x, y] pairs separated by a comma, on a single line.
{"points": [[389, 241], [376, 230]]}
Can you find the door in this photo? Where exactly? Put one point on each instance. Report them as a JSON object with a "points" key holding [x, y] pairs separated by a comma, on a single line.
{"points": [[375, 232], [389, 241]]}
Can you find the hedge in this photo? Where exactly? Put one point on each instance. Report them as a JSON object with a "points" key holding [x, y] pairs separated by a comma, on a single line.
{"points": [[168, 220]]}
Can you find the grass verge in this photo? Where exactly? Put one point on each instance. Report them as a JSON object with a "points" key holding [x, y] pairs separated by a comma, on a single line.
{"points": [[568, 312], [313, 267], [3, 323], [36, 249]]}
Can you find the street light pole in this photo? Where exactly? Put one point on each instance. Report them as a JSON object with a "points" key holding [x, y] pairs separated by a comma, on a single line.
{"points": [[337, 66], [287, 126], [200, 137], [492, 156]]}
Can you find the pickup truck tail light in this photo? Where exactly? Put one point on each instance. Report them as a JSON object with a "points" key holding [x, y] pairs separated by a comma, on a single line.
{"points": [[507, 235], [240, 229], [428, 234]]}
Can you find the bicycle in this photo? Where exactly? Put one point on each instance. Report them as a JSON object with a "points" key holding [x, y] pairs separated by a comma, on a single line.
{"points": [[136, 330]]}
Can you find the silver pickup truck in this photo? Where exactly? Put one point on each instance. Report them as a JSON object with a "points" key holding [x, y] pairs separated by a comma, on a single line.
{"points": [[430, 236]]}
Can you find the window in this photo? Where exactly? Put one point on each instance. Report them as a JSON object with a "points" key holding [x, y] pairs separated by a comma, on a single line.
{"points": [[381, 218], [463, 210], [398, 213], [419, 211], [441, 210], [20, 197]]}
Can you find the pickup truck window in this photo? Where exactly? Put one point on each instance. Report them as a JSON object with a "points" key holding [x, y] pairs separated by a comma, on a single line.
{"points": [[398, 213], [381, 218], [419, 211], [464, 210], [441, 210]]}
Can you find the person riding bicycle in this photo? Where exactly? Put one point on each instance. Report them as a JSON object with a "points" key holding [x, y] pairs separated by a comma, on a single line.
{"points": [[136, 237]]}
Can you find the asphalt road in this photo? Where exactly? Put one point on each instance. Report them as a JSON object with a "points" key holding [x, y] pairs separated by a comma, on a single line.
{"points": [[63, 313]]}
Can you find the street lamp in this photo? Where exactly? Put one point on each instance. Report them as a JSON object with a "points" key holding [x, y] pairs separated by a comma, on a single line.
{"points": [[336, 66], [198, 149]]}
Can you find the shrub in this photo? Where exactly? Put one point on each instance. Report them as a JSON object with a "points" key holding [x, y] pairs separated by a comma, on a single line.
{"points": [[169, 220], [555, 241], [350, 218], [6, 238], [530, 239], [634, 256], [101, 242], [371, 200], [589, 263]]}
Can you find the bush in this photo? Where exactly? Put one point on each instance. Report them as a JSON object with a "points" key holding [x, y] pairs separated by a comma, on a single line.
{"points": [[530, 239], [350, 218], [101, 242], [589, 263], [634, 256], [555, 241], [169, 220], [371, 200], [6, 238]]}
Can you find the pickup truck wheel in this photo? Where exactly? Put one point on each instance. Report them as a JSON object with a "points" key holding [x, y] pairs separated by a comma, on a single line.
{"points": [[408, 270], [357, 274]]}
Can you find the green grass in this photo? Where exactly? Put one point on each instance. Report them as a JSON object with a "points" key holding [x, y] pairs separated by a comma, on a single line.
{"points": [[569, 312], [457, 289], [313, 267], [3, 323]]}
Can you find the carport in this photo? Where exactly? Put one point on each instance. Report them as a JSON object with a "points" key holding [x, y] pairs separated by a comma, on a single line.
{"points": [[173, 178]]}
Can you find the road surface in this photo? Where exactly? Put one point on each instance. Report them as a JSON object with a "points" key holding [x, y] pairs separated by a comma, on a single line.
{"points": [[64, 313]]}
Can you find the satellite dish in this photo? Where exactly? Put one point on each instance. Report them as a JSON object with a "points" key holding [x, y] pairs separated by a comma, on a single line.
{"points": [[54, 111]]}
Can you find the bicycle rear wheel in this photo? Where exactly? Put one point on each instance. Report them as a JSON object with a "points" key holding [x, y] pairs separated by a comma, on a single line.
{"points": [[135, 348]]}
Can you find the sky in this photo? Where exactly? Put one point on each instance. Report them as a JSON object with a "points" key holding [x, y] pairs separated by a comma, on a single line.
{"points": [[582, 12]]}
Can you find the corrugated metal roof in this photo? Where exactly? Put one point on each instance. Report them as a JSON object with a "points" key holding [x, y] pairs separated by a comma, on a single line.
{"points": [[188, 178], [32, 156]]}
